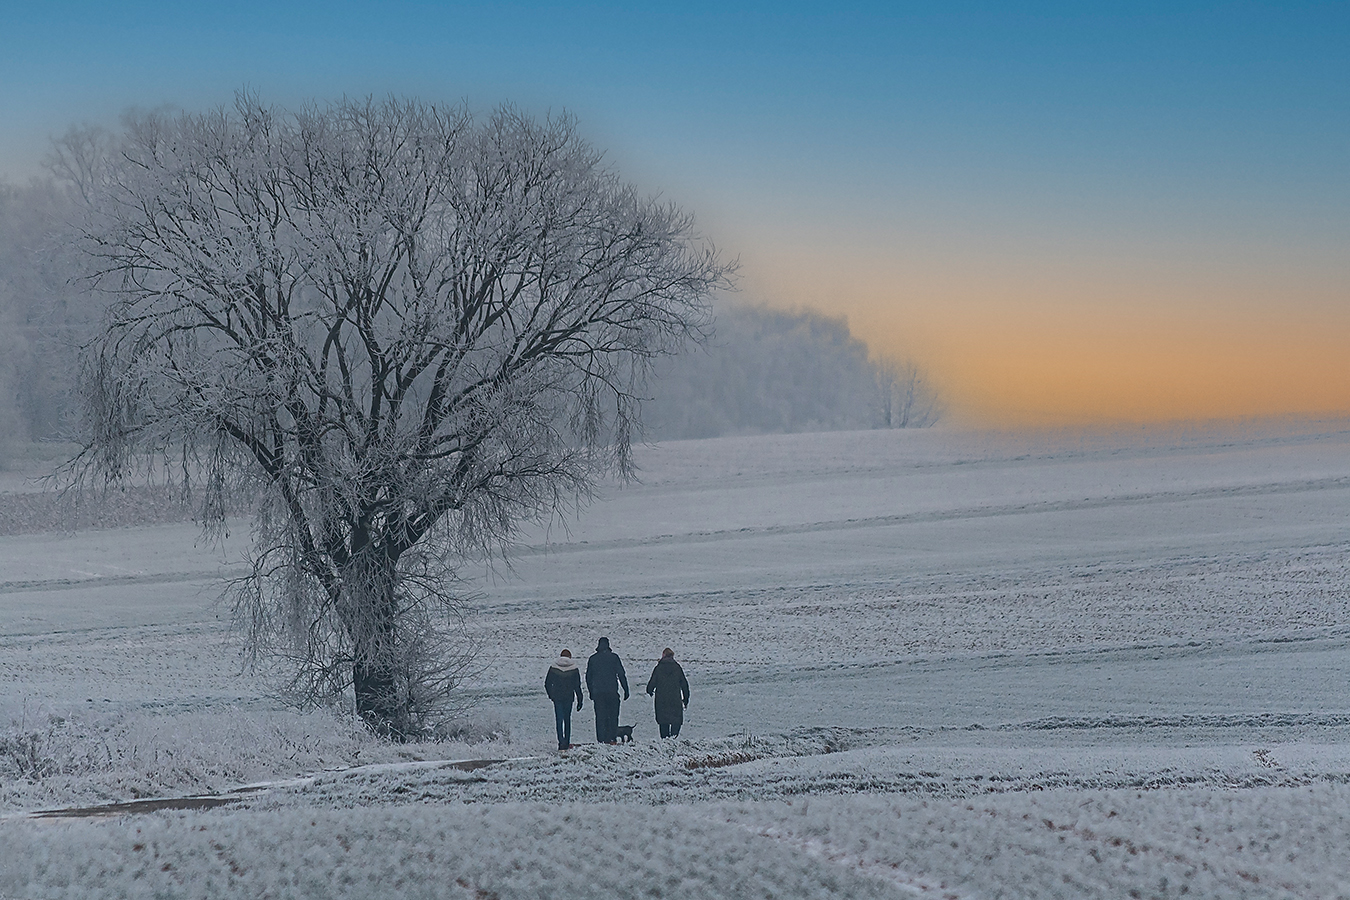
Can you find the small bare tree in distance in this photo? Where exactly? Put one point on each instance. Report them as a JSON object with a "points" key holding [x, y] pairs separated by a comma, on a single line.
{"points": [[406, 328], [906, 397]]}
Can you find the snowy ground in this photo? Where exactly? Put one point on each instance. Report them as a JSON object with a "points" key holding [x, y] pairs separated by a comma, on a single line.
{"points": [[926, 663]]}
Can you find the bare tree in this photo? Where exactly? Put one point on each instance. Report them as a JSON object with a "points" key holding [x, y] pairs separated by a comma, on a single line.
{"points": [[906, 397], [408, 329]]}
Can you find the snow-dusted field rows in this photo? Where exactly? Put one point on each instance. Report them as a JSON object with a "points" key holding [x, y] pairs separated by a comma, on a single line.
{"points": [[928, 580], [922, 663]]}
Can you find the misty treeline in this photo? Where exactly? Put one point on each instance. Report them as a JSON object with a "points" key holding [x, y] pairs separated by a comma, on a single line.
{"points": [[767, 370], [43, 317], [764, 370]]}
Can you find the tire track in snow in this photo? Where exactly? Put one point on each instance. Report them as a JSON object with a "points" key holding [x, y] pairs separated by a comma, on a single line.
{"points": [[996, 454], [247, 791], [65, 584], [942, 515], [1207, 720]]}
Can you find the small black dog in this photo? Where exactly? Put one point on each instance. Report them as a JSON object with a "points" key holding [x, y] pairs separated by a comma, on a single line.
{"points": [[624, 734]]}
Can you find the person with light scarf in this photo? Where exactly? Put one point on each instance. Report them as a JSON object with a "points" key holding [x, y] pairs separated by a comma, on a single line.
{"points": [[563, 684]]}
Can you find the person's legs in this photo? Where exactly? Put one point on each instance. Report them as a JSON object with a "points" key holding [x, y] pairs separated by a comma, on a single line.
{"points": [[562, 714], [606, 716], [674, 729], [665, 729]]}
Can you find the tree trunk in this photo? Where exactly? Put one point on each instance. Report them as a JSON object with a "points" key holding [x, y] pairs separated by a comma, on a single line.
{"points": [[376, 700], [373, 629]]}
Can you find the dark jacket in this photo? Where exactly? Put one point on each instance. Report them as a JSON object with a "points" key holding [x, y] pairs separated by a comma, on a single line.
{"points": [[672, 691], [604, 674], [563, 682]]}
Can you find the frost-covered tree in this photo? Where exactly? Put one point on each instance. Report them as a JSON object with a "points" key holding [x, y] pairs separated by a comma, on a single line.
{"points": [[407, 327], [906, 398], [772, 370]]}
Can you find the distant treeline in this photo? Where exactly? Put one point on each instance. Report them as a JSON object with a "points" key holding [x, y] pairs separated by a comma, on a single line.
{"points": [[764, 370], [43, 317], [767, 370]]}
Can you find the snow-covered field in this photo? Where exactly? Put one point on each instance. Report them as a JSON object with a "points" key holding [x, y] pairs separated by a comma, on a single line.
{"points": [[925, 663]]}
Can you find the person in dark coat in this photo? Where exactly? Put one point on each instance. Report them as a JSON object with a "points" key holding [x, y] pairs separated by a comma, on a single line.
{"points": [[672, 693], [563, 684], [604, 677]]}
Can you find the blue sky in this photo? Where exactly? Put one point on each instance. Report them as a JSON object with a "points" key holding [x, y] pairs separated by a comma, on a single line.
{"points": [[939, 172]]}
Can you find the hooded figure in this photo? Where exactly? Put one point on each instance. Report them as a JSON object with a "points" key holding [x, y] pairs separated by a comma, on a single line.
{"points": [[604, 677], [672, 693], [562, 684]]}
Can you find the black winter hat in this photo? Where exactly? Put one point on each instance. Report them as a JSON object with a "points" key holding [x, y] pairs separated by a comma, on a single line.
{"points": [[603, 645]]}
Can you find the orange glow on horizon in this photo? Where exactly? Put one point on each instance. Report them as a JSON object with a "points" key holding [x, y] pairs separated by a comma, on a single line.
{"points": [[1183, 376], [1024, 342]]}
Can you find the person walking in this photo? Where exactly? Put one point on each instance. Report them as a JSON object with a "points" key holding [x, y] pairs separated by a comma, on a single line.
{"points": [[562, 684], [672, 693], [604, 677]]}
